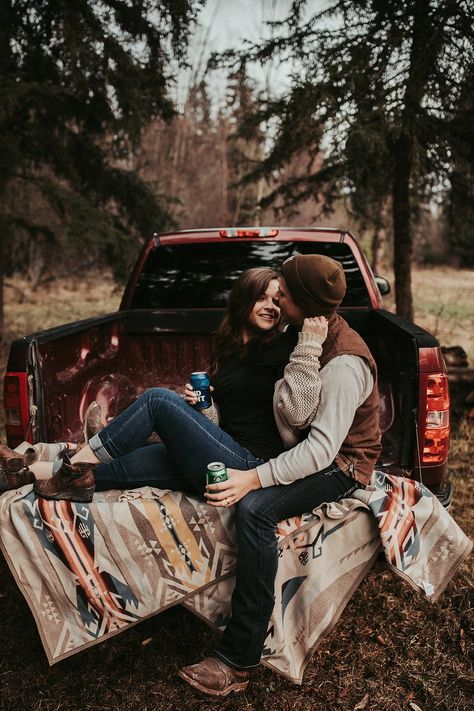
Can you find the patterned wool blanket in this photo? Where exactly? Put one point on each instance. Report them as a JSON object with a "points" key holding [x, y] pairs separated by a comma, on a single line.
{"points": [[421, 541], [89, 571]]}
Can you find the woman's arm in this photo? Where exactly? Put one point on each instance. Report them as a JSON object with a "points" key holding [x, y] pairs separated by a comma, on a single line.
{"points": [[296, 395]]}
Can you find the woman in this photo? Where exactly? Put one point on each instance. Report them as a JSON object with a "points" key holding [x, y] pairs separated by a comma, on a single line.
{"points": [[249, 357]]}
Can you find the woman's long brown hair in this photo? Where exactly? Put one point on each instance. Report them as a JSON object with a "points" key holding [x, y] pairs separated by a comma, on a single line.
{"points": [[228, 338]]}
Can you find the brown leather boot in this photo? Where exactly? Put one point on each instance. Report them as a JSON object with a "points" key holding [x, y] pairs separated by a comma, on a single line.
{"points": [[28, 457], [13, 471], [92, 424], [73, 482], [214, 677], [92, 421]]}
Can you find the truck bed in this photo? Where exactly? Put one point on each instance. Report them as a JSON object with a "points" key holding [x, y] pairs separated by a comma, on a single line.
{"points": [[174, 300], [113, 359]]}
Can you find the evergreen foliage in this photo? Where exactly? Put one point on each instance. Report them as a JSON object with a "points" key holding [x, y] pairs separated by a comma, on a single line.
{"points": [[377, 89], [78, 82], [459, 213]]}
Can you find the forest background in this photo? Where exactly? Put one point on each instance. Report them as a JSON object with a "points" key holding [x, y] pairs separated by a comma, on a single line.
{"points": [[116, 122], [352, 113]]}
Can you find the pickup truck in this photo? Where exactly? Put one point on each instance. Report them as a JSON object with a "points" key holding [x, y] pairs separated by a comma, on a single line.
{"points": [[163, 329]]}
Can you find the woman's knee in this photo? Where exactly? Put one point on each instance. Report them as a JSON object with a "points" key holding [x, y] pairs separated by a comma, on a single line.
{"points": [[161, 395]]}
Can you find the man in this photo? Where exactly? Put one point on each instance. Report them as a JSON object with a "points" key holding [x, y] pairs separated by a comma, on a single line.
{"points": [[337, 456]]}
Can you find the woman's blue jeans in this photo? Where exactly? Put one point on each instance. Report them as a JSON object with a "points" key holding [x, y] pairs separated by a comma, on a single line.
{"points": [[189, 442]]}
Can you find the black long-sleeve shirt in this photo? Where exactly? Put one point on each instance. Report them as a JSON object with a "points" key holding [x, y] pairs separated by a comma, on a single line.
{"points": [[244, 394]]}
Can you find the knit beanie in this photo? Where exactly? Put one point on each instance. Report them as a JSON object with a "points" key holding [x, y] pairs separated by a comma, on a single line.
{"points": [[315, 282]]}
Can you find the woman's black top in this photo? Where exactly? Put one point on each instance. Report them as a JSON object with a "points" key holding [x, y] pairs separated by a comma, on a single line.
{"points": [[244, 394]]}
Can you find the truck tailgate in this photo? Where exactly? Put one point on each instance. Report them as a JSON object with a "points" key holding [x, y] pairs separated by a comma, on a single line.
{"points": [[112, 359]]}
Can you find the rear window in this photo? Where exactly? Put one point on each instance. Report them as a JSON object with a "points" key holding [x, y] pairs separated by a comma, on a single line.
{"points": [[200, 275]]}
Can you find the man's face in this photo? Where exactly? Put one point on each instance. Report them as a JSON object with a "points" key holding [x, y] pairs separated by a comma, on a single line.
{"points": [[290, 312]]}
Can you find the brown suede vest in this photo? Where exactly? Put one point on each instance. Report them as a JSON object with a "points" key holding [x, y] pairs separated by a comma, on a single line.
{"points": [[361, 447]]}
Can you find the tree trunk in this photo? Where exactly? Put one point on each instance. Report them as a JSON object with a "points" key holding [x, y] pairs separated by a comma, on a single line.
{"points": [[2, 262], [379, 239], [5, 18], [377, 243], [422, 52], [402, 237], [225, 175], [4, 241]]}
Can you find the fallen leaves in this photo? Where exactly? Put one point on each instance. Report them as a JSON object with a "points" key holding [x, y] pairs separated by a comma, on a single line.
{"points": [[362, 704]]}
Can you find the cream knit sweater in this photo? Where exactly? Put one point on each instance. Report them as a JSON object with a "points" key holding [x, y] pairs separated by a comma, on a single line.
{"points": [[296, 396]]}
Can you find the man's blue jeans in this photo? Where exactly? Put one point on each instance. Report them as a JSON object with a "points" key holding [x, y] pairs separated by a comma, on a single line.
{"points": [[189, 442], [258, 514]]}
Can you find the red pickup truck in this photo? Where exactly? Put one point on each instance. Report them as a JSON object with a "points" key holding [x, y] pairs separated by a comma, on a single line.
{"points": [[163, 330]]}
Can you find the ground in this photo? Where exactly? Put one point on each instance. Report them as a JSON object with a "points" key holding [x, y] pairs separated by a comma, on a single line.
{"points": [[390, 651]]}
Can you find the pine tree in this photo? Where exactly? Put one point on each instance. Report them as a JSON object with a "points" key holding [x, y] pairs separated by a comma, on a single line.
{"points": [[78, 82], [459, 210], [376, 86]]}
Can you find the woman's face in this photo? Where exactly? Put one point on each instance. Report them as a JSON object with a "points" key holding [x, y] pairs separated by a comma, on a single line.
{"points": [[265, 314]]}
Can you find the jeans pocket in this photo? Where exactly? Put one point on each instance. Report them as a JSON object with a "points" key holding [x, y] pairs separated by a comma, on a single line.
{"points": [[349, 491]]}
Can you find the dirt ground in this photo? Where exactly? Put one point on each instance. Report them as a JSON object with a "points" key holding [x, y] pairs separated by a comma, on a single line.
{"points": [[390, 651]]}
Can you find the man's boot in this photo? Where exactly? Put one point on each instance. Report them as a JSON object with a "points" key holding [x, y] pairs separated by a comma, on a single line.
{"points": [[14, 470]]}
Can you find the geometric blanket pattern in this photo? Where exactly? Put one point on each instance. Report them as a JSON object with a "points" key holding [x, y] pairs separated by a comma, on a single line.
{"points": [[421, 541], [90, 571], [323, 558]]}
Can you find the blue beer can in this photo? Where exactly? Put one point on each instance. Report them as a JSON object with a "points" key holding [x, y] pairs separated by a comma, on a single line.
{"points": [[201, 385]]}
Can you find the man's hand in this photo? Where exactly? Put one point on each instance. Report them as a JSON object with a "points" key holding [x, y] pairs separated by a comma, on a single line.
{"points": [[227, 493], [317, 325]]}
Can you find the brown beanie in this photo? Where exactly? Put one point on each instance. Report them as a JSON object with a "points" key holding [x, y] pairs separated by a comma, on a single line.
{"points": [[315, 282]]}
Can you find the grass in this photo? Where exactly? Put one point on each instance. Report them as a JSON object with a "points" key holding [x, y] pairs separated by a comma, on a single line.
{"points": [[390, 651], [444, 305], [56, 302]]}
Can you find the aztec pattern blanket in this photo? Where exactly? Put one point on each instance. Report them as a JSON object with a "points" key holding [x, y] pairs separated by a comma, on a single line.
{"points": [[421, 541], [89, 571]]}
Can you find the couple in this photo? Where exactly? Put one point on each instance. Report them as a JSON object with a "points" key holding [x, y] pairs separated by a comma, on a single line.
{"points": [[263, 407]]}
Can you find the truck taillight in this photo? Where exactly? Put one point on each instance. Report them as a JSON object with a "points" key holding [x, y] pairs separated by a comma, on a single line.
{"points": [[433, 422], [15, 402]]}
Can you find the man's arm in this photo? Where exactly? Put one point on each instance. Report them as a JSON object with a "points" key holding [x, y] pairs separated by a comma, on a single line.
{"points": [[296, 396], [346, 382]]}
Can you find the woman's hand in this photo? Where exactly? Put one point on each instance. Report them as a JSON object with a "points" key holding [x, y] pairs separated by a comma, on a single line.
{"points": [[189, 394], [228, 493], [317, 325]]}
